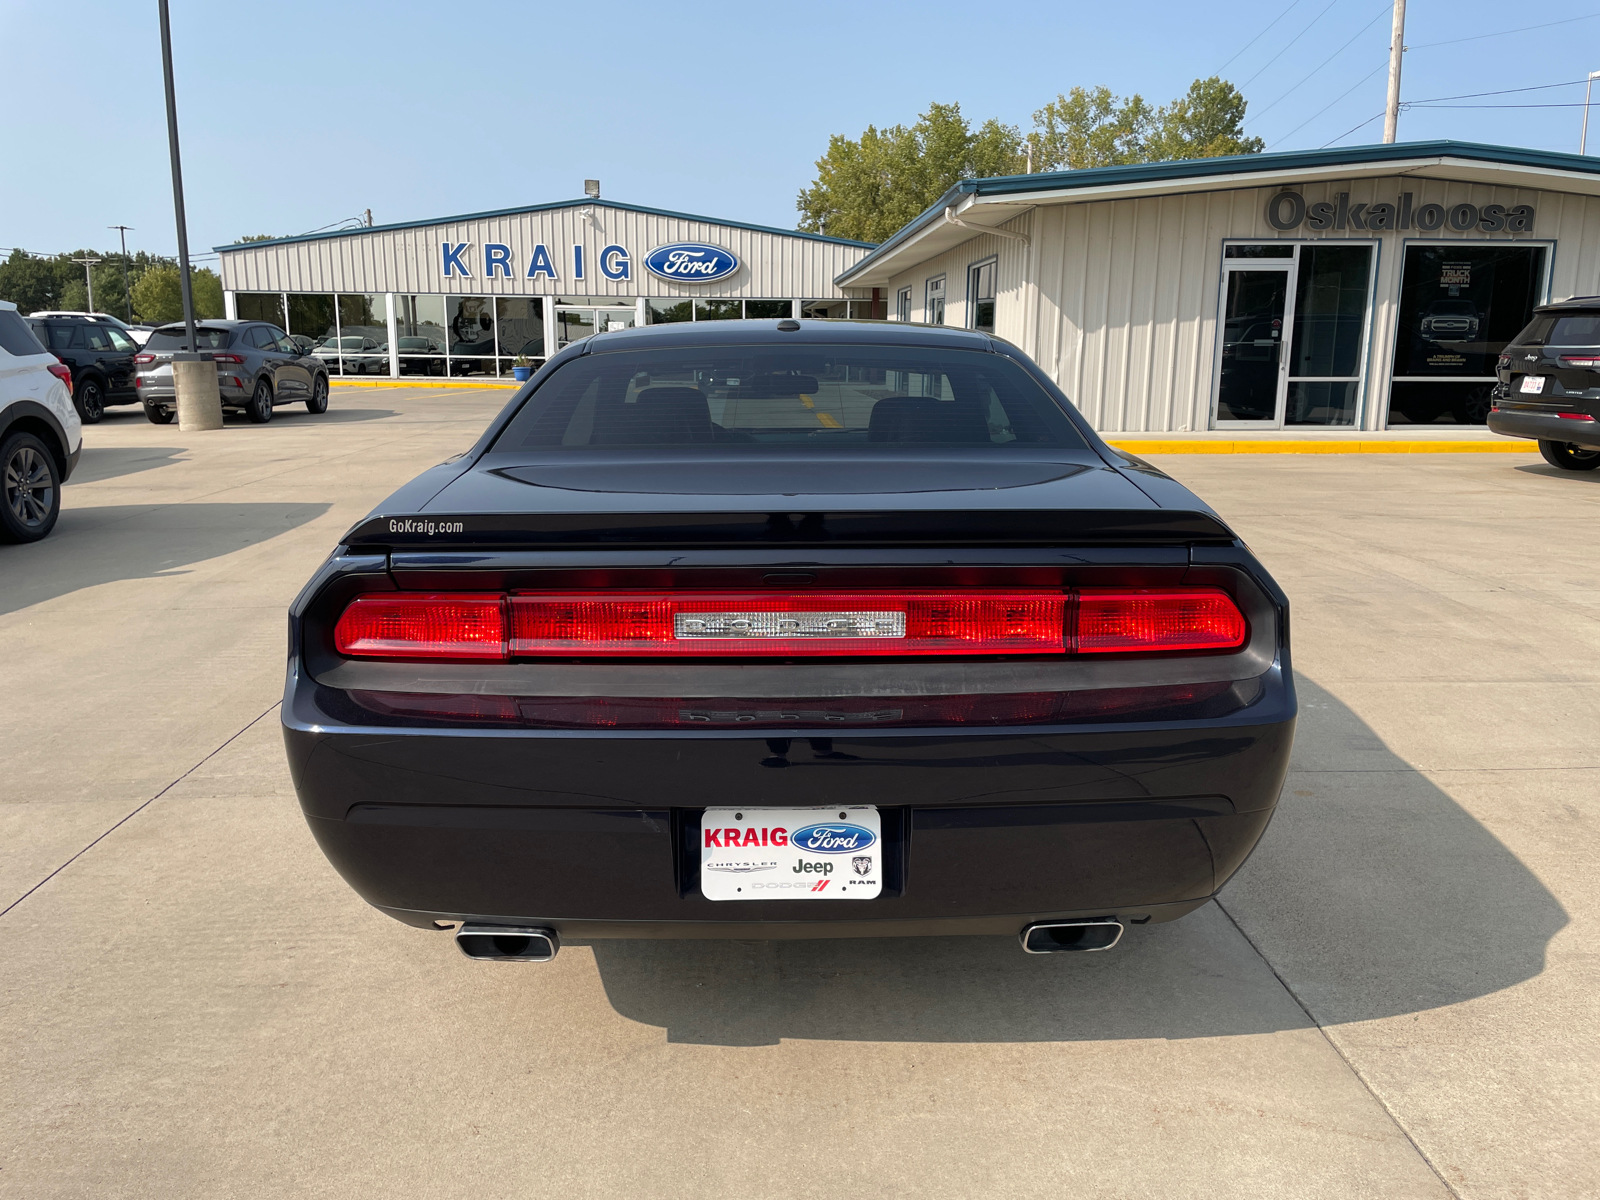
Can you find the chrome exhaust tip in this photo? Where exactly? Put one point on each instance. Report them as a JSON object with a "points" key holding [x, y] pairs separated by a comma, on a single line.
{"points": [[1048, 937], [508, 943]]}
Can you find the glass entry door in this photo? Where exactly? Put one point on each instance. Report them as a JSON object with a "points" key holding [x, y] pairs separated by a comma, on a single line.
{"points": [[1294, 334], [575, 323]]}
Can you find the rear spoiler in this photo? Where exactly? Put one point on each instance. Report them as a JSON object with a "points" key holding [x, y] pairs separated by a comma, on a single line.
{"points": [[990, 527]]}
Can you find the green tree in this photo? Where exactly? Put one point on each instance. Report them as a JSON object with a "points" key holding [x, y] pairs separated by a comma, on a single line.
{"points": [[1090, 128], [1208, 122], [158, 296], [30, 283], [868, 187], [254, 237]]}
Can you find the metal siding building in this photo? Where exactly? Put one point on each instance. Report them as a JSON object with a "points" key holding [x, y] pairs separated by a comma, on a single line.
{"points": [[1135, 286]]}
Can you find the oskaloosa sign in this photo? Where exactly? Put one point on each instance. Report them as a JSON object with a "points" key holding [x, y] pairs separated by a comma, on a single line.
{"points": [[691, 262], [1289, 210]]}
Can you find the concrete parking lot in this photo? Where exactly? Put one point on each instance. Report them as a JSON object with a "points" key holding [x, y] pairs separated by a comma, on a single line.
{"points": [[1397, 997]]}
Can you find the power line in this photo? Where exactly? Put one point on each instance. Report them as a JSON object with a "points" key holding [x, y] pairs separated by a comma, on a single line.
{"points": [[1353, 128], [1504, 32], [1538, 87], [1304, 79], [1420, 104], [1258, 36], [1285, 50], [1381, 66]]}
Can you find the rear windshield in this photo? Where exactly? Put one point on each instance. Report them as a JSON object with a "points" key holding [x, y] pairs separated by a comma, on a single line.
{"points": [[173, 339], [805, 396], [1555, 329], [15, 336]]}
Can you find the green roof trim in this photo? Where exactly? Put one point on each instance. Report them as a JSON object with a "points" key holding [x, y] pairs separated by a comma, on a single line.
{"points": [[1232, 164], [536, 208]]}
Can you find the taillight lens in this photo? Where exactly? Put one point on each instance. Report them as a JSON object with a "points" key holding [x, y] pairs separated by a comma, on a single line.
{"points": [[62, 372], [143, 359], [228, 358], [1576, 416], [746, 624], [1580, 360], [428, 626], [1122, 622]]}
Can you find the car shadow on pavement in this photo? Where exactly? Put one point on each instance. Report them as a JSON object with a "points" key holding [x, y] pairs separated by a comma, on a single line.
{"points": [[1546, 469], [1372, 894], [334, 416], [111, 462], [97, 544]]}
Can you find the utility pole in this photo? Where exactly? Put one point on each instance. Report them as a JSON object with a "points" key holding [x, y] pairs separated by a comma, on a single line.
{"points": [[1397, 47], [88, 279], [1583, 138], [127, 290], [177, 178]]}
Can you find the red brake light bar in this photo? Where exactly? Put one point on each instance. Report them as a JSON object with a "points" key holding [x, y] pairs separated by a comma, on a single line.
{"points": [[142, 359], [745, 624], [62, 372], [1580, 360]]}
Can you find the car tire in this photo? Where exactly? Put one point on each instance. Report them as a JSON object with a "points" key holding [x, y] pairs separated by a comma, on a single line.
{"points": [[158, 415], [30, 489], [1474, 409], [90, 400], [1569, 457], [318, 404], [259, 410]]}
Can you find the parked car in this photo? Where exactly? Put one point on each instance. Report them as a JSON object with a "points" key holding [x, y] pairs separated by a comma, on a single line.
{"points": [[1549, 385], [1450, 321], [420, 356], [710, 635], [99, 354], [258, 369], [41, 436], [139, 333], [353, 355]]}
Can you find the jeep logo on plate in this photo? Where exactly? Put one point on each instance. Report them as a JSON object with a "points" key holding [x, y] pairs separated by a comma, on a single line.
{"points": [[691, 262], [832, 838]]}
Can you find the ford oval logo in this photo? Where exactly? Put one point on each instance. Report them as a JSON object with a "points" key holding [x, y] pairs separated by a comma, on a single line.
{"points": [[832, 838], [691, 262]]}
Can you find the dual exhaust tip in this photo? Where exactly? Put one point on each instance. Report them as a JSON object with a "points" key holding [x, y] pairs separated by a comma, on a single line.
{"points": [[1049, 937], [524, 943], [508, 943]]}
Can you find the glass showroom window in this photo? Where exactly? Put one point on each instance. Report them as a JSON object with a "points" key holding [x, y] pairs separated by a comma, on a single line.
{"points": [[364, 334], [936, 301], [825, 309], [980, 296], [260, 306], [717, 310], [314, 326], [902, 304], [755, 310], [520, 321], [469, 341], [419, 334], [669, 312], [1460, 305]]}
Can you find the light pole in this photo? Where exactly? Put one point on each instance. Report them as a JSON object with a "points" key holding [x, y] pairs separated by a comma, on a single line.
{"points": [[194, 375], [1583, 138], [88, 279], [127, 290]]}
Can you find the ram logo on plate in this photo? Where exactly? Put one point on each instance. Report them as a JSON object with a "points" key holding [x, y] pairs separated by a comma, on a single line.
{"points": [[691, 262], [832, 838]]}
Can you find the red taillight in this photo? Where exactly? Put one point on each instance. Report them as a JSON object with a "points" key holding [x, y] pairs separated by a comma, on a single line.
{"points": [[430, 626], [142, 359], [62, 372], [1125, 622], [747, 624], [228, 358], [744, 623], [1576, 416], [1580, 360]]}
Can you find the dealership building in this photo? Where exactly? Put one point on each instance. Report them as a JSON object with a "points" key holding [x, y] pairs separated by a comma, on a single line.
{"points": [[1369, 287]]}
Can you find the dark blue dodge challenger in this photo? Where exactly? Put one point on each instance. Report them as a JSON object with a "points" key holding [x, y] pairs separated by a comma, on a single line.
{"points": [[788, 629]]}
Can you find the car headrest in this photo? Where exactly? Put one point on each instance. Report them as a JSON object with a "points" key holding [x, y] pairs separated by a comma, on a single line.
{"points": [[777, 387], [658, 415], [925, 419]]}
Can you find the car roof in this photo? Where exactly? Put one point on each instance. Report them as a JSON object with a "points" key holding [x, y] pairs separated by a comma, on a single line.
{"points": [[212, 323], [812, 331], [1569, 304]]}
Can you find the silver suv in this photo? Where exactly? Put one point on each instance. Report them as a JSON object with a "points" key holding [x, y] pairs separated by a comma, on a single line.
{"points": [[258, 369]]}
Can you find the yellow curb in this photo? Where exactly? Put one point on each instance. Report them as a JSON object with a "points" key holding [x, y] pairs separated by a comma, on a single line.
{"points": [[1320, 446], [443, 385]]}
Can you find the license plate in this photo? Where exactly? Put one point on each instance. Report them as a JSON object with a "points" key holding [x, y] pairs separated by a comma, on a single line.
{"points": [[1533, 383], [791, 853]]}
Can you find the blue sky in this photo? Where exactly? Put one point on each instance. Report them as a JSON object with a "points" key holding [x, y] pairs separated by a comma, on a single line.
{"points": [[297, 115]]}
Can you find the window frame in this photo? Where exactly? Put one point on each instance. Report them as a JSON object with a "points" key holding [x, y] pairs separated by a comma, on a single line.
{"points": [[973, 299], [928, 297]]}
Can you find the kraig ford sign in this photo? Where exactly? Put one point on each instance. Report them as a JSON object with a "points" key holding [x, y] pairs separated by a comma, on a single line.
{"points": [[1289, 210], [681, 262]]}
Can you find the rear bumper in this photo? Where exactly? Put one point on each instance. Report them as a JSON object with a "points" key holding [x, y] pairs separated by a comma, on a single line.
{"points": [[1545, 427], [596, 833]]}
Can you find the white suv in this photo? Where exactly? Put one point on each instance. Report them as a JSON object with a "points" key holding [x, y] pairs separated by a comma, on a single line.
{"points": [[40, 435]]}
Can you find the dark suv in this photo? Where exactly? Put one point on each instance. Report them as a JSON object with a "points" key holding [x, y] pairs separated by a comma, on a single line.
{"points": [[100, 356], [259, 367], [1549, 385]]}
